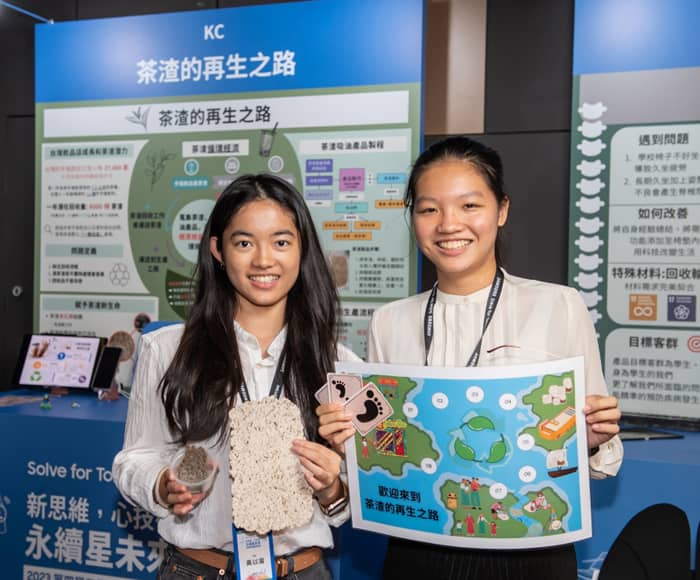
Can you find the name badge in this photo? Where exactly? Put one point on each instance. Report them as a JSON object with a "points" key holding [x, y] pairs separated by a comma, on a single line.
{"points": [[254, 554]]}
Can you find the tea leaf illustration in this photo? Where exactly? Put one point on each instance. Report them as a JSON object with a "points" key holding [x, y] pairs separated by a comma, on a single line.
{"points": [[155, 165], [139, 117]]}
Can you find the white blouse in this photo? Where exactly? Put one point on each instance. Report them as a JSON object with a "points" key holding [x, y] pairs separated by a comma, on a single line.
{"points": [[148, 448], [533, 322]]}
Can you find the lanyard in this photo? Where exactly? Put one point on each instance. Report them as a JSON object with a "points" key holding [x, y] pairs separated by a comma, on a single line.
{"points": [[494, 295], [277, 381]]}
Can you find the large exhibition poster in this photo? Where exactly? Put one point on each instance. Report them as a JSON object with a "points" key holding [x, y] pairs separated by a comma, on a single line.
{"points": [[477, 457], [142, 121], [635, 197]]}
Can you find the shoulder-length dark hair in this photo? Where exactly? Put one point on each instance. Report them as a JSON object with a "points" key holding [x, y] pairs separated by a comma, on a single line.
{"points": [[201, 383], [486, 161]]}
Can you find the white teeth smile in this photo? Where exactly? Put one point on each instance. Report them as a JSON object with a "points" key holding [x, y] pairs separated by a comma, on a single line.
{"points": [[268, 278], [454, 244]]}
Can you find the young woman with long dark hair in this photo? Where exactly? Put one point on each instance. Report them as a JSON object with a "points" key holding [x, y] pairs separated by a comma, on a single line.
{"points": [[458, 205], [263, 292]]}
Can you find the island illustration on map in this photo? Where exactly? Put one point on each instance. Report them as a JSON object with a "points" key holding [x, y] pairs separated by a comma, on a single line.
{"points": [[496, 460]]}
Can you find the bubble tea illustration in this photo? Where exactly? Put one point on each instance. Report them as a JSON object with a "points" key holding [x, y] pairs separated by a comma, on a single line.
{"points": [[589, 225], [592, 111], [591, 298], [590, 184], [588, 262], [592, 130], [590, 205], [590, 168], [588, 243], [591, 148], [590, 187], [588, 281], [267, 139], [595, 315]]}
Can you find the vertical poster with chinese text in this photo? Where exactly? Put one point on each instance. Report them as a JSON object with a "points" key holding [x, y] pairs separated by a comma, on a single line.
{"points": [[143, 121], [634, 243]]}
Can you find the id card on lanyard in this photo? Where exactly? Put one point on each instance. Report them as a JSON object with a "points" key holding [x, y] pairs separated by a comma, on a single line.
{"points": [[254, 553], [428, 322]]}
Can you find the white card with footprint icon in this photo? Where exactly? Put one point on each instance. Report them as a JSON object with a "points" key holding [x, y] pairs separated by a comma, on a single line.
{"points": [[343, 386], [369, 407], [323, 396]]}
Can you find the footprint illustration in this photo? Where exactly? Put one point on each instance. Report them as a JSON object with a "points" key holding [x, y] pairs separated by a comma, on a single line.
{"points": [[340, 387], [373, 407]]}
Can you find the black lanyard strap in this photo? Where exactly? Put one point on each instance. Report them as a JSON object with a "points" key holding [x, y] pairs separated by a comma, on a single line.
{"points": [[428, 320], [277, 381]]}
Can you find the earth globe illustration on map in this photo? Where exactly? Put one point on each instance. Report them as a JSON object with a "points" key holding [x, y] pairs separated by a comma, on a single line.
{"points": [[477, 440]]}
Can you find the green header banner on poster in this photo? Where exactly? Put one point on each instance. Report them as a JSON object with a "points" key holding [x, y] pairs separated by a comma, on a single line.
{"points": [[634, 245], [143, 121]]}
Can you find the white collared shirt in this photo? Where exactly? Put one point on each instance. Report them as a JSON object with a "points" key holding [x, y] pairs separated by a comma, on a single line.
{"points": [[148, 448], [533, 322]]}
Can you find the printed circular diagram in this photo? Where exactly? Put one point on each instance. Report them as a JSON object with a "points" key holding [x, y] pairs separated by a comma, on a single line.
{"points": [[498, 491], [119, 274], [681, 312], [428, 465], [188, 227], [497, 447], [694, 343], [410, 410], [275, 164], [232, 165], [526, 441], [440, 400], [475, 394], [191, 167], [163, 244], [123, 340]]}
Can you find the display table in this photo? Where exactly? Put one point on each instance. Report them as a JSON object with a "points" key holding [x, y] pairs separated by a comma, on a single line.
{"points": [[654, 471], [61, 517]]}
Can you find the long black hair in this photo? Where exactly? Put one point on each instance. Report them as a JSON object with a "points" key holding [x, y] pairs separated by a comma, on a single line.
{"points": [[486, 161], [201, 383]]}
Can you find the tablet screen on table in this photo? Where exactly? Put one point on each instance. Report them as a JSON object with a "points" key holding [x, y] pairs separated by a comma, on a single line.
{"points": [[53, 360]]}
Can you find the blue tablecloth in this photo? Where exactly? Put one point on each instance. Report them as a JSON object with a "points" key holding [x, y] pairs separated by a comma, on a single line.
{"points": [[63, 517], [60, 512], [654, 471]]}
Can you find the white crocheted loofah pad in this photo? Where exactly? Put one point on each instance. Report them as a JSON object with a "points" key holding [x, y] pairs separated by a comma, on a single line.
{"points": [[269, 490]]}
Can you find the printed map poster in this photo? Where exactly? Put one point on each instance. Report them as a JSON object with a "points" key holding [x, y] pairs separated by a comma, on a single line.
{"points": [[143, 121], [634, 249], [485, 457]]}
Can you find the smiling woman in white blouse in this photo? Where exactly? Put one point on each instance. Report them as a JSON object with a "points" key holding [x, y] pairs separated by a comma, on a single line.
{"points": [[479, 314], [263, 323]]}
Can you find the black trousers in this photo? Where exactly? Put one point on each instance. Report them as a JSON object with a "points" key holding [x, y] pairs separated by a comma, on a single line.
{"points": [[407, 559]]}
